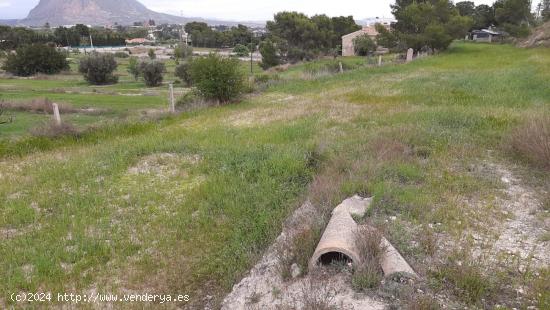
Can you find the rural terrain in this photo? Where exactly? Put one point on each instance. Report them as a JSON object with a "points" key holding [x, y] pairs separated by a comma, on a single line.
{"points": [[140, 200]]}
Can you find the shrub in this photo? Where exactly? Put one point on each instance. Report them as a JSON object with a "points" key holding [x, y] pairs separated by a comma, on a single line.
{"points": [[151, 53], [531, 140], [364, 45], [183, 52], [369, 274], [295, 55], [121, 55], [217, 78], [4, 119], [466, 277], [40, 105], [36, 58], [422, 303], [53, 130], [270, 56], [98, 69], [152, 73], [241, 50], [187, 99], [183, 72], [133, 67]]}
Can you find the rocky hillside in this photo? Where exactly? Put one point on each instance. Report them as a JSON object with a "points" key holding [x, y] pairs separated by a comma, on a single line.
{"points": [[539, 37], [94, 12]]}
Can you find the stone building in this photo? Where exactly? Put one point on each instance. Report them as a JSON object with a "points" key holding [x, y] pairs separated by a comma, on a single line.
{"points": [[347, 40]]}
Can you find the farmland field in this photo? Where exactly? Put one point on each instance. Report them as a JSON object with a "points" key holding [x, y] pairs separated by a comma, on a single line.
{"points": [[188, 203]]}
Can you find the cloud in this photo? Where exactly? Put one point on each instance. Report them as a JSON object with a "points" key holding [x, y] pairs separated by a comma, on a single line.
{"points": [[4, 3]]}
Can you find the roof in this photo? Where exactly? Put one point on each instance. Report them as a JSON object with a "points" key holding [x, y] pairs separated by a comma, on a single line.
{"points": [[138, 40], [369, 30], [487, 31]]}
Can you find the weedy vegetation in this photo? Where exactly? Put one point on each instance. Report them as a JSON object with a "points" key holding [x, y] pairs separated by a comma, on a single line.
{"points": [[78, 212]]}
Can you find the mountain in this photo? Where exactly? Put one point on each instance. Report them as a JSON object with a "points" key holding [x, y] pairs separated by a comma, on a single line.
{"points": [[100, 12], [8, 22]]}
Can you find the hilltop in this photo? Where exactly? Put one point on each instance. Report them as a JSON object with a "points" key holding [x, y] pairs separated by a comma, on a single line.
{"points": [[101, 12]]}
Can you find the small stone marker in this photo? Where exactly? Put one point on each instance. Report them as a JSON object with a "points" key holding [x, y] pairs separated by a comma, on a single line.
{"points": [[379, 60], [341, 67], [410, 53], [172, 103], [56, 116]]}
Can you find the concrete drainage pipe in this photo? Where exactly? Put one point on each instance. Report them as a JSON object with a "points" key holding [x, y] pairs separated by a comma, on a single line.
{"points": [[337, 244]]}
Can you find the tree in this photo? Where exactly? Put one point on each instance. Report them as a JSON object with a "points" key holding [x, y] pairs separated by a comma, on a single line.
{"points": [[270, 55], [239, 35], [418, 20], [386, 37], [36, 58], [133, 67], [466, 8], [545, 10], [241, 50], [513, 12], [217, 78], [296, 29], [66, 36], [152, 73], [341, 26], [514, 16], [98, 68], [364, 45], [484, 16], [82, 30]]}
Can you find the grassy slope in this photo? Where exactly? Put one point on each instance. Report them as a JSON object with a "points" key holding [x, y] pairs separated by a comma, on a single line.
{"points": [[124, 100], [78, 219]]}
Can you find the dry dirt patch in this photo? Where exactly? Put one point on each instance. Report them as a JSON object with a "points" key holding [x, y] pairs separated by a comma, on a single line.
{"points": [[163, 164]]}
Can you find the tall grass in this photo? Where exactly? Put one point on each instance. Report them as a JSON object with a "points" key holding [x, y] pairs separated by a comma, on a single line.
{"points": [[531, 140]]}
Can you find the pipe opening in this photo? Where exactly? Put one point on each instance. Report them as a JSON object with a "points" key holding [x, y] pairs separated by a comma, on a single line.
{"points": [[334, 258]]}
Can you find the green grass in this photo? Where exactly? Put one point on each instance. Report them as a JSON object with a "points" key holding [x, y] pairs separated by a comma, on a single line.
{"points": [[124, 100], [74, 211]]}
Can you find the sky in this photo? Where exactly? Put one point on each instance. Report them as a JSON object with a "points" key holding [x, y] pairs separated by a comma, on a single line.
{"points": [[242, 10]]}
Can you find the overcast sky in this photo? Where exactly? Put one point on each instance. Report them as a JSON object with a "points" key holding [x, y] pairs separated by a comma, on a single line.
{"points": [[244, 10]]}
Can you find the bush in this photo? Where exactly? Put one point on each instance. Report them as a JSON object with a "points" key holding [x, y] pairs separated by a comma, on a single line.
{"points": [[369, 274], [98, 69], [183, 72], [36, 58], [133, 67], [53, 130], [151, 53], [270, 56], [217, 78], [531, 140], [121, 55], [241, 50], [364, 45], [183, 52], [187, 99], [295, 55], [152, 73]]}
